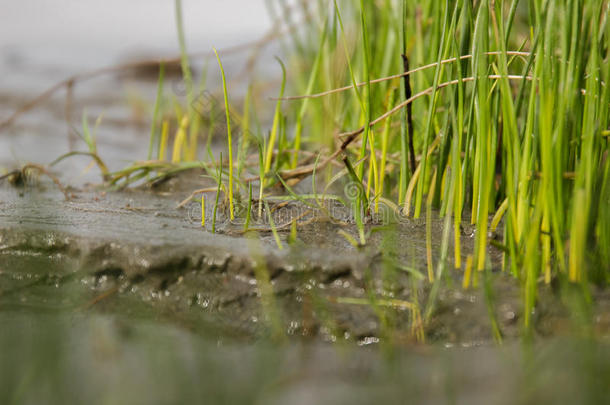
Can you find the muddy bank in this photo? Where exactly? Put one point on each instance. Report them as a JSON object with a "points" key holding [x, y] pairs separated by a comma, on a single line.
{"points": [[116, 251]]}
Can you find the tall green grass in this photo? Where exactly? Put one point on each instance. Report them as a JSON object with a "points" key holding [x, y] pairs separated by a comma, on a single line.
{"points": [[519, 136], [229, 134], [509, 103]]}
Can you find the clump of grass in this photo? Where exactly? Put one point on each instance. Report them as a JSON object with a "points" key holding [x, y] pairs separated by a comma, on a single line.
{"points": [[504, 117], [23, 175], [89, 137]]}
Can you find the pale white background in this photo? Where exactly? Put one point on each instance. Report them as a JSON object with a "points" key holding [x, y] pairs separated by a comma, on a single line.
{"points": [[90, 33]]}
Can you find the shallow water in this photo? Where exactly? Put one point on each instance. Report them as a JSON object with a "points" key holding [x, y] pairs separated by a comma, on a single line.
{"points": [[96, 359]]}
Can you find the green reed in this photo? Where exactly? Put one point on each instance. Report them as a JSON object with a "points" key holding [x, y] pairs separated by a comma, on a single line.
{"points": [[506, 111]]}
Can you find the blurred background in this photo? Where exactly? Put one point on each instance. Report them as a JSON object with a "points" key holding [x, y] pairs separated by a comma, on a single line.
{"points": [[71, 35]]}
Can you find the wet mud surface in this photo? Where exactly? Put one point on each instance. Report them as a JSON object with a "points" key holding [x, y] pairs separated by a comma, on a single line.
{"points": [[115, 291], [113, 251]]}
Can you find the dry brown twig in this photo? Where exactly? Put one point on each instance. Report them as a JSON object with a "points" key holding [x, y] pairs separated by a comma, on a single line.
{"points": [[397, 76], [351, 135]]}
